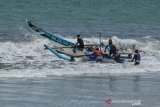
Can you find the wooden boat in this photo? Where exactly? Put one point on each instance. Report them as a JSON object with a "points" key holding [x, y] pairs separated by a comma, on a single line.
{"points": [[60, 45]]}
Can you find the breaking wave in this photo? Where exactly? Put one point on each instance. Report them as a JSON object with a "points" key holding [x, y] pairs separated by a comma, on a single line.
{"points": [[30, 59]]}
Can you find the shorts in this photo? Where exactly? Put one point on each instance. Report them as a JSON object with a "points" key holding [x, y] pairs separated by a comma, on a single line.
{"points": [[137, 62]]}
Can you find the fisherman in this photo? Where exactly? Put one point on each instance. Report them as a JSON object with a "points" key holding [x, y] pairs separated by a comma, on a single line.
{"points": [[97, 52], [98, 55], [136, 58], [79, 44], [112, 48], [113, 53]]}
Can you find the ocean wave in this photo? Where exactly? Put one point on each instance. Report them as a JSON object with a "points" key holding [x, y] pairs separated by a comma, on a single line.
{"points": [[29, 59]]}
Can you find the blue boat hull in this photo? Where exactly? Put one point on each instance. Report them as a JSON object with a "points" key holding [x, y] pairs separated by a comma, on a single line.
{"points": [[61, 56]]}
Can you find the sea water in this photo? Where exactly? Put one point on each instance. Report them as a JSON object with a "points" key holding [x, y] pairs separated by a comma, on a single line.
{"points": [[33, 77]]}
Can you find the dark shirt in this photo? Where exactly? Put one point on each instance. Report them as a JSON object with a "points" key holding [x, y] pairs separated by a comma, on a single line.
{"points": [[136, 57], [80, 42], [112, 49]]}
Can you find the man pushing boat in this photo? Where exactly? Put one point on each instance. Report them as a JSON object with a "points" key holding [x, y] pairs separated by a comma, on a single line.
{"points": [[80, 44], [136, 57]]}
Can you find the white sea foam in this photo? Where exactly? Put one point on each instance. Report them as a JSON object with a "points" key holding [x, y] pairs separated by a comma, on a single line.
{"points": [[29, 59]]}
